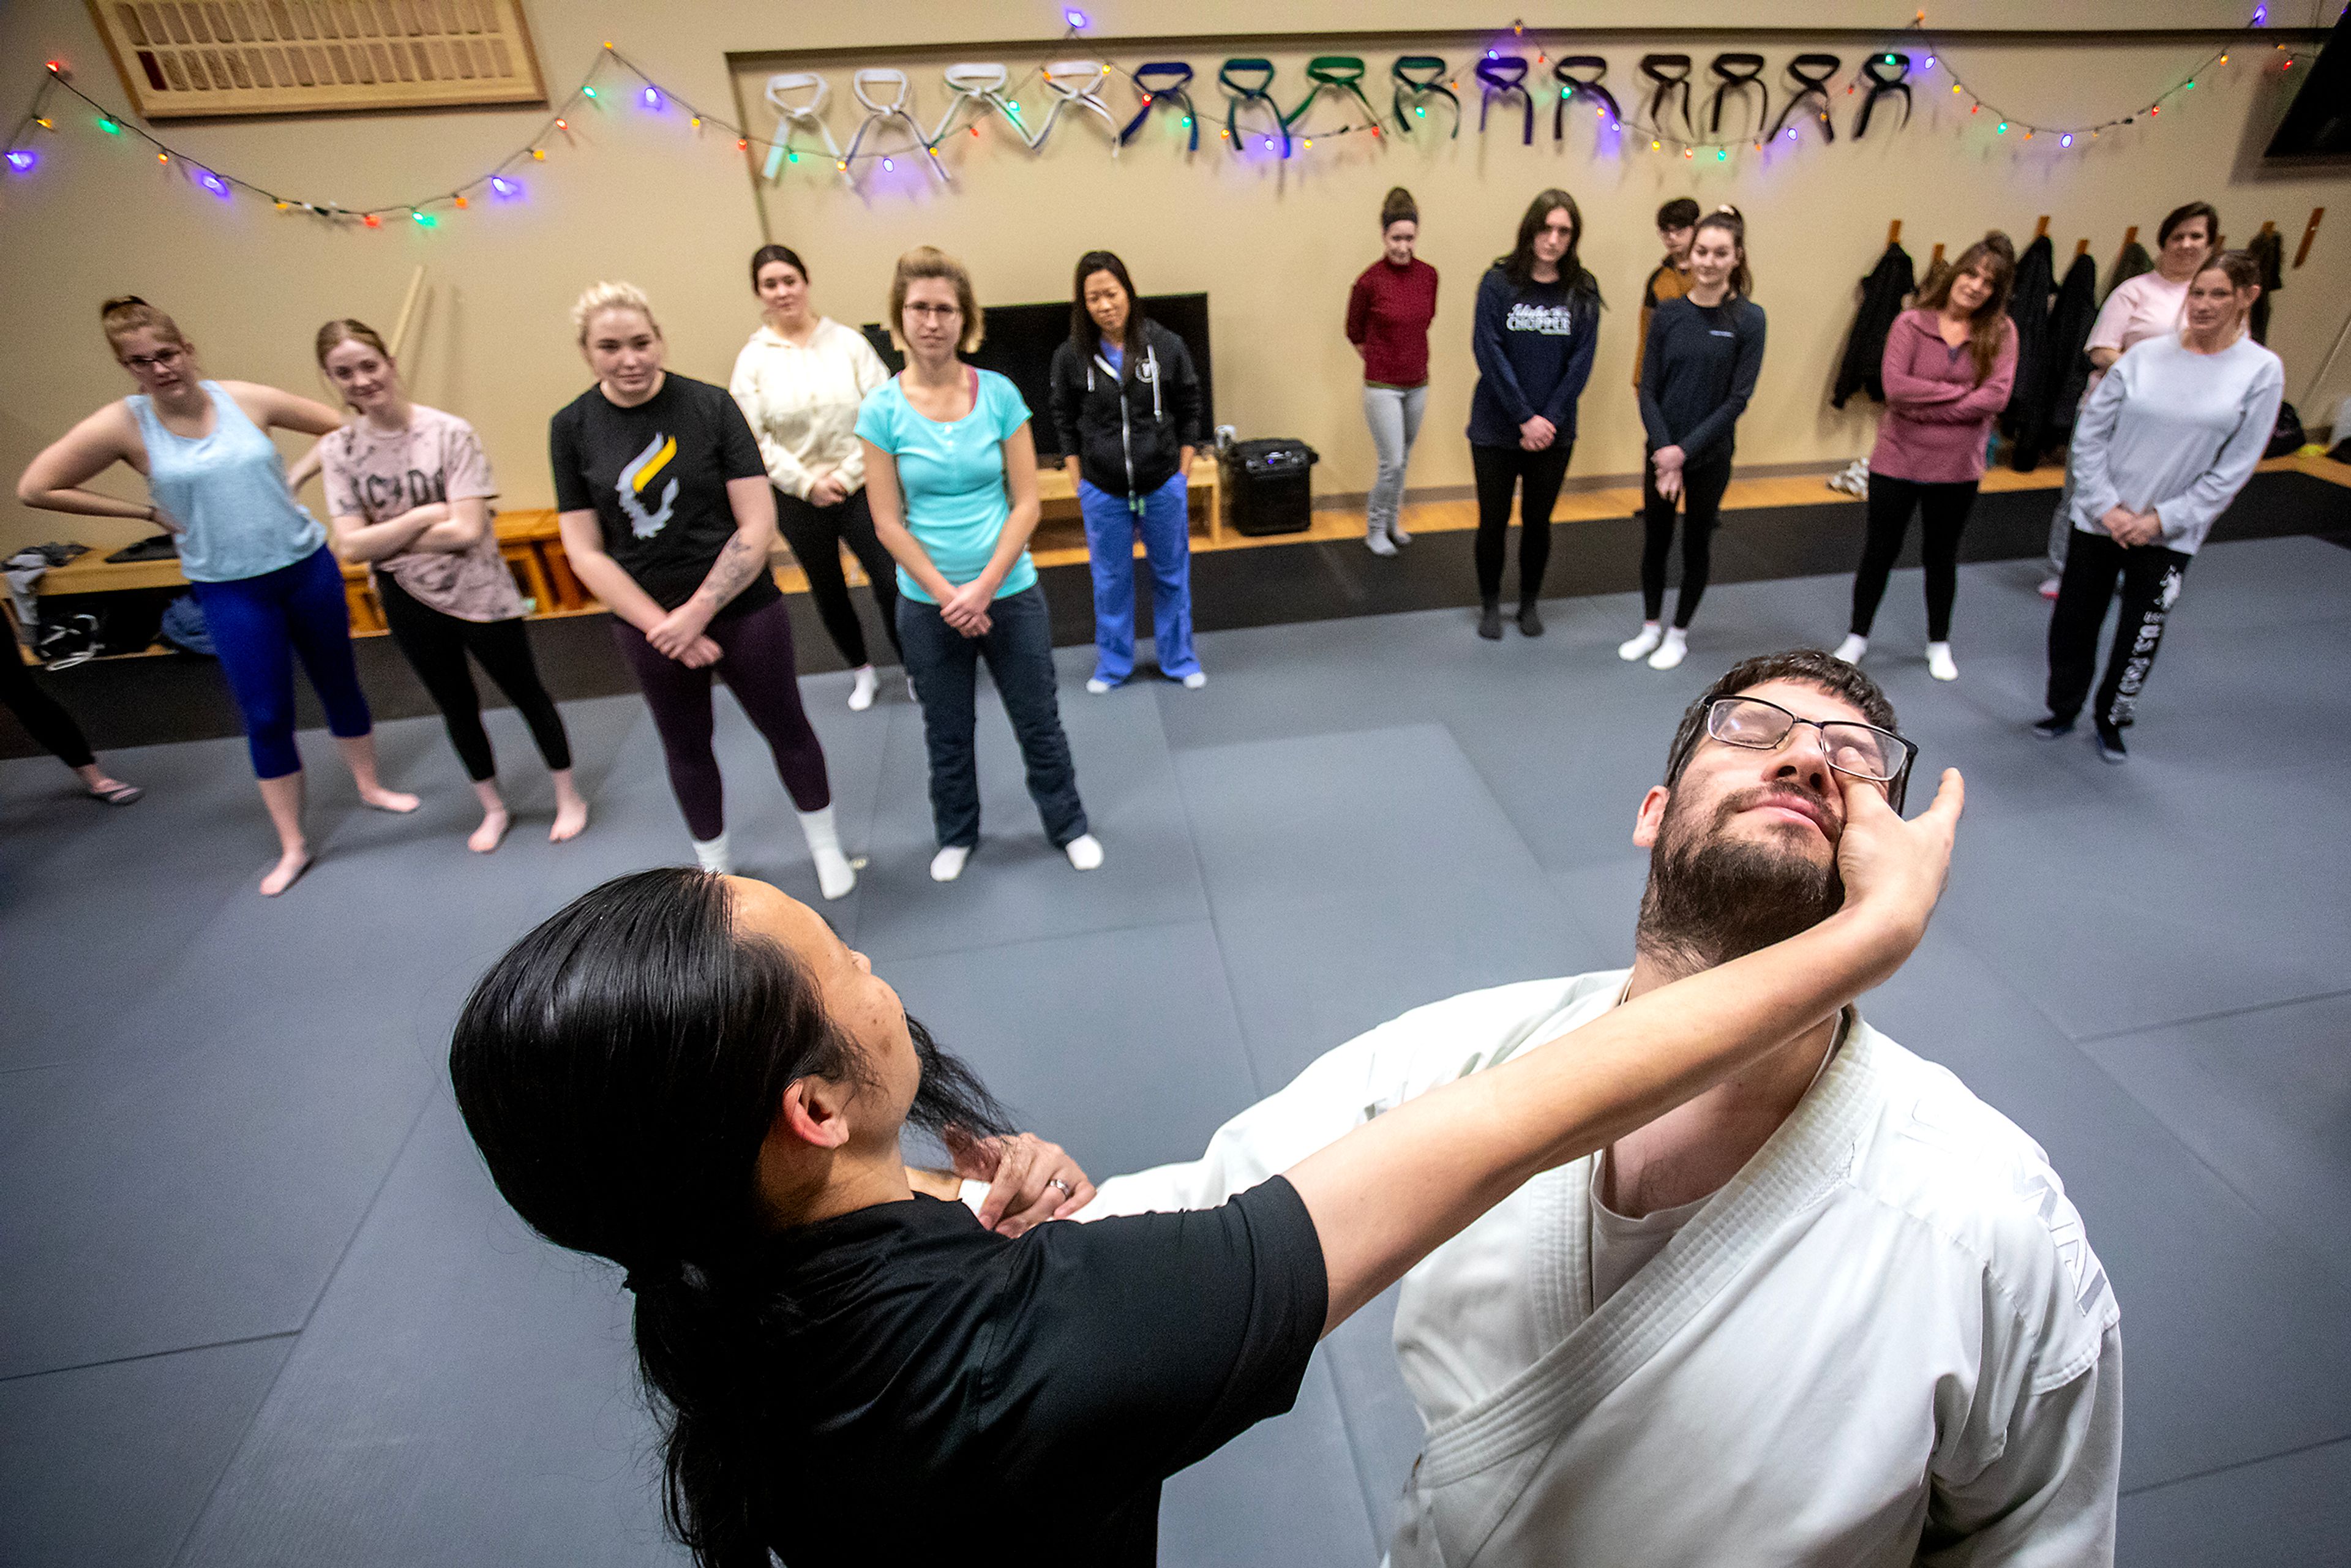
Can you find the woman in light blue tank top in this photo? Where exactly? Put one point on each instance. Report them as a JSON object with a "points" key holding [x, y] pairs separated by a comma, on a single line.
{"points": [[269, 586]]}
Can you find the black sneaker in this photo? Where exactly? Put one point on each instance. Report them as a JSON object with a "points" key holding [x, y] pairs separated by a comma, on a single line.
{"points": [[1489, 624], [2054, 729], [1529, 622], [2110, 745]]}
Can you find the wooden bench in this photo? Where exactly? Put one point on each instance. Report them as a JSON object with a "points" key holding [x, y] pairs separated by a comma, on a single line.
{"points": [[533, 548]]}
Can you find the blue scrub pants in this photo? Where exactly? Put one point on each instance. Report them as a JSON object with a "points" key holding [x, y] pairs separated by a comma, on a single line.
{"points": [[1165, 523], [260, 625]]}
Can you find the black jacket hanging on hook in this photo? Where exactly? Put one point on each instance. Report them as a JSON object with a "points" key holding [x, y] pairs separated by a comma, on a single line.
{"points": [[1863, 369], [1737, 73], [2134, 262], [1656, 68], [2066, 365], [2268, 251], [2028, 306], [1811, 92], [1587, 88], [1883, 85], [1498, 76]]}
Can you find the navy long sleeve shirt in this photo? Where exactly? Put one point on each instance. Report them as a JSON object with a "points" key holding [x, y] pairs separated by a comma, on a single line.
{"points": [[1698, 372], [1534, 346]]}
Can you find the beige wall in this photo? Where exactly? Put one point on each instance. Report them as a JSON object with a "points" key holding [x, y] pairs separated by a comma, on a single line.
{"points": [[1273, 246]]}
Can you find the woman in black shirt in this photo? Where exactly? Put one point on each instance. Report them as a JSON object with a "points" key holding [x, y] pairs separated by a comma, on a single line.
{"points": [[693, 1077], [1697, 370], [667, 518]]}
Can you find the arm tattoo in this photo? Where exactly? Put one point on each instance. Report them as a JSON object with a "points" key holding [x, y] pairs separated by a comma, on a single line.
{"points": [[737, 565]]}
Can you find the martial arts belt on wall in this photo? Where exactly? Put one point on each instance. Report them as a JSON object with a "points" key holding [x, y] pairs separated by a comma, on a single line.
{"points": [[1499, 77], [1177, 77], [1075, 82], [1659, 69], [1882, 86], [1737, 73], [1409, 85], [1344, 72], [1238, 93], [878, 112], [1811, 73], [791, 116], [1573, 87], [979, 83]]}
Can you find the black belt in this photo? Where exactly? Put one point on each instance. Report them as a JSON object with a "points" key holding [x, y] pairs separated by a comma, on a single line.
{"points": [[1182, 78], [1811, 89], [1406, 84], [1583, 87], [1343, 71], [1500, 75], [1242, 95], [1725, 69], [1882, 86], [1655, 66]]}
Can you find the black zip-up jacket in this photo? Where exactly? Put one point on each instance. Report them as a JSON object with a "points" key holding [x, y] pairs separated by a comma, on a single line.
{"points": [[1882, 293], [1127, 426]]}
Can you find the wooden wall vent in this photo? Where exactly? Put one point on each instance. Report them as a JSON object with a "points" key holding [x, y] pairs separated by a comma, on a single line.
{"points": [[178, 59]]}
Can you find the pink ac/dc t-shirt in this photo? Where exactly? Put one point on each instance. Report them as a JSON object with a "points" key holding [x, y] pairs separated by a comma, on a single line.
{"points": [[375, 475]]}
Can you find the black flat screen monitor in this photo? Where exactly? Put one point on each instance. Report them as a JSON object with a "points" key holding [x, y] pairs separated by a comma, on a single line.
{"points": [[1022, 338], [2319, 122]]}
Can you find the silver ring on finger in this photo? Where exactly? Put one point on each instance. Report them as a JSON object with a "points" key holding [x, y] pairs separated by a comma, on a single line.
{"points": [[1067, 1190]]}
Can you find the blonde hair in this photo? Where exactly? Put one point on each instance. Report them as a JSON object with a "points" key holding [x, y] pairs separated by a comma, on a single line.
{"points": [[127, 313], [928, 261], [598, 298]]}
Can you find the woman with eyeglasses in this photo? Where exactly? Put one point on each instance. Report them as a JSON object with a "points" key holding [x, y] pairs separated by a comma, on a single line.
{"points": [[951, 468], [260, 563], [2161, 449]]}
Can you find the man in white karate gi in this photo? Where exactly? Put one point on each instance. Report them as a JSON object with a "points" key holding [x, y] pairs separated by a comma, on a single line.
{"points": [[1836, 1311]]}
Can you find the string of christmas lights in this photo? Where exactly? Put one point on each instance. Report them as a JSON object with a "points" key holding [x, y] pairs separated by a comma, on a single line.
{"points": [[501, 182]]}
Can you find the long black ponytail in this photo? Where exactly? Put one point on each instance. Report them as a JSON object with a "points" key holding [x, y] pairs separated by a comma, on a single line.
{"points": [[618, 1069]]}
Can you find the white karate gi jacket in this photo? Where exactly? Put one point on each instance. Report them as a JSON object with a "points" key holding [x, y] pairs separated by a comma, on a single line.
{"points": [[1884, 1342]]}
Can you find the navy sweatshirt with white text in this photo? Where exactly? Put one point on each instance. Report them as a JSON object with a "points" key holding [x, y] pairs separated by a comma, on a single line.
{"points": [[1534, 346]]}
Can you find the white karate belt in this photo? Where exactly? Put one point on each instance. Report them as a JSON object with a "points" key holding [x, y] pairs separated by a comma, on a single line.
{"points": [[791, 116], [1074, 81], [877, 113], [974, 82]]}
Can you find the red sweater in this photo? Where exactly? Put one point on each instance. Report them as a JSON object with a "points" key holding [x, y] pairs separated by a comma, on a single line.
{"points": [[1937, 413], [1388, 313]]}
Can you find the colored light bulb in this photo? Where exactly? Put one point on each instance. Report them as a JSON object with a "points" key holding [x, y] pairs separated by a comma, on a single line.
{"points": [[886, 164], [21, 159], [652, 98], [371, 220], [109, 126], [501, 185], [1074, 18], [588, 93], [2066, 140]]}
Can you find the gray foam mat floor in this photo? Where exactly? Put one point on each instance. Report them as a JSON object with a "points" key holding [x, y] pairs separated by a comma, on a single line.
{"points": [[259, 1305]]}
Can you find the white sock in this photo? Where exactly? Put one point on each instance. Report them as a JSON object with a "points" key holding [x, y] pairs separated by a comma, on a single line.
{"points": [[711, 855], [1195, 680], [834, 876], [947, 864], [1939, 662], [861, 690], [1671, 650], [1852, 649], [1085, 852], [1640, 646]]}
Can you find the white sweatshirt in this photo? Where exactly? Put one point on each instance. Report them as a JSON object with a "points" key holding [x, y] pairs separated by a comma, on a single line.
{"points": [[2175, 432], [802, 403]]}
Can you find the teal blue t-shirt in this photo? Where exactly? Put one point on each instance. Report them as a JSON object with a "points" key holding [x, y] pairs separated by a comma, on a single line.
{"points": [[952, 476]]}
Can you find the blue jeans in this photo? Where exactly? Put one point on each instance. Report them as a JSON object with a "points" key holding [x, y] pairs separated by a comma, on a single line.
{"points": [[1165, 523], [259, 625], [944, 665]]}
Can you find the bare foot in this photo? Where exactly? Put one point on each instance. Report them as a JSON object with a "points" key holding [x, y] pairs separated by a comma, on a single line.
{"points": [[571, 819], [485, 838], [290, 867], [384, 799]]}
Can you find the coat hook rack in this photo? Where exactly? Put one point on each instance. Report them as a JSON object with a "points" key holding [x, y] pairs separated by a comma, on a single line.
{"points": [[1938, 258], [2080, 248], [2040, 229], [1894, 232], [2131, 237], [2309, 233]]}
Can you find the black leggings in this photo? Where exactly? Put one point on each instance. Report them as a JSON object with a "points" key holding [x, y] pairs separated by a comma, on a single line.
{"points": [[1702, 488], [1942, 514], [816, 535], [436, 644], [2151, 577], [756, 657], [48, 724], [1498, 470]]}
